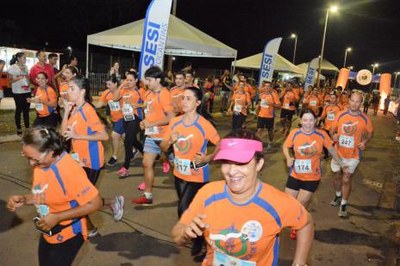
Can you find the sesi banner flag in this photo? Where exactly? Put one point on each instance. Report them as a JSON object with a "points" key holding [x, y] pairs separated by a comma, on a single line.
{"points": [[154, 35], [268, 60], [312, 68]]}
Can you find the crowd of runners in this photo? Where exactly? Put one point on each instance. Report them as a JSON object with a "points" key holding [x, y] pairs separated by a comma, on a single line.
{"points": [[169, 120]]}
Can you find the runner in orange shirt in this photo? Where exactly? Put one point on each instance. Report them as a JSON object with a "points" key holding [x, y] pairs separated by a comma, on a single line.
{"points": [[288, 98], [344, 100], [239, 103], [45, 101], [268, 101], [307, 143], [177, 92], [61, 193], [313, 101], [132, 110], [241, 217], [110, 97], [299, 92], [189, 135], [69, 73], [82, 125], [158, 113], [352, 130]]}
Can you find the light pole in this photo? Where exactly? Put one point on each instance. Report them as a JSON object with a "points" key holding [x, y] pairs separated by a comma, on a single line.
{"points": [[69, 48], [294, 36], [332, 9], [348, 49], [395, 78], [374, 66]]}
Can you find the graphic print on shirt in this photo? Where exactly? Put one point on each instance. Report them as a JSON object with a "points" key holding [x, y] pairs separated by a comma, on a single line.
{"points": [[307, 149], [184, 144], [349, 128], [39, 194]]}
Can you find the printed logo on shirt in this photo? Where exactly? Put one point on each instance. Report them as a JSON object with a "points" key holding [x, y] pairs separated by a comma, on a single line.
{"points": [[308, 149], [184, 144], [349, 128]]}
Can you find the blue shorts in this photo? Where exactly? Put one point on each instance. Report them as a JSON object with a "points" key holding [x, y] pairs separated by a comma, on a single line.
{"points": [[118, 127], [152, 145]]}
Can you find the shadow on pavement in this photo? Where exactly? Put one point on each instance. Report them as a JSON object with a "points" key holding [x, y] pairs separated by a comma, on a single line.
{"points": [[134, 245], [8, 219], [154, 206]]}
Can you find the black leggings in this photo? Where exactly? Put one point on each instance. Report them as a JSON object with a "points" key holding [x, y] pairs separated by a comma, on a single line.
{"points": [[92, 175], [132, 129], [21, 106], [48, 121], [62, 254], [186, 192], [237, 121]]}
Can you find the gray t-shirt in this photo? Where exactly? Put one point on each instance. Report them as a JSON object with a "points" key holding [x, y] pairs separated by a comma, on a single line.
{"points": [[22, 85]]}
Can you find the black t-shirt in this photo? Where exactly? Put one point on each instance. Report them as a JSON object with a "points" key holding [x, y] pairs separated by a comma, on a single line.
{"points": [[228, 81]]}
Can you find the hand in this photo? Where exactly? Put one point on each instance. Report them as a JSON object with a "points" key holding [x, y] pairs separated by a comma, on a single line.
{"points": [[289, 162], [199, 158], [68, 107], [15, 202], [142, 125], [70, 133], [361, 146], [48, 222], [196, 227], [335, 137]]}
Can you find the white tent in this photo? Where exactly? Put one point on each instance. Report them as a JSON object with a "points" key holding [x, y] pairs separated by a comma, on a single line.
{"points": [[183, 40], [254, 62], [326, 65]]}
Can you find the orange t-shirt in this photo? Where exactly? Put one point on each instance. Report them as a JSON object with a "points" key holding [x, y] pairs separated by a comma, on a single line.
{"points": [[192, 139], [86, 122], [157, 105], [313, 102], [4, 80], [129, 97], [46, 95], [266, 109], [298, 91], [176, 98], [240, 102], [350, 129], [307, 152], [289, 99], [107, 97], [329, 113], [344, 101], [63, 87], [248, 231], [60, 187]]}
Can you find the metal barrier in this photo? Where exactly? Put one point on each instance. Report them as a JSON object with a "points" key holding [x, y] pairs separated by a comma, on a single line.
{"points": [[97, 82]]}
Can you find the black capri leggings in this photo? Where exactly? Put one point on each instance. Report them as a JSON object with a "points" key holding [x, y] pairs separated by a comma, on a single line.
{"points": [[132, 129], [21, 106], [186, 192]]}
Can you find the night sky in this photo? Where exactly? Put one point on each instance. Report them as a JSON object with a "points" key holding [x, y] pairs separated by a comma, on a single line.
{"points": [[370, 27]]}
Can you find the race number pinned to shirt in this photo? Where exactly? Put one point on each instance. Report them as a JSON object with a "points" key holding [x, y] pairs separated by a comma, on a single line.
{"points": [[331, 116], [286, 106], [346, 141], [224, 259], [313, 103], [114, 106], [183, 166], [39, 107], [127, 111], [302, 166], [264, 103], [151, 130], [237, 108]]}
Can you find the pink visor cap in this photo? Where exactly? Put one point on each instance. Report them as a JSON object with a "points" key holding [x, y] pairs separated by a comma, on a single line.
{"points": [[238, 150]]}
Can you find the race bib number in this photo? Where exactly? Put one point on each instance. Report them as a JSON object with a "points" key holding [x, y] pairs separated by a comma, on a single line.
{"points": [[224, 259], [264, 103], [75, 156], [331, 116], [39, 106], [114, 106], [183, 166], [127, 111], [313, 103], [151, 130], [237, 108], [129, 117], [286, 106], [302, 166], [346, 141], [146, 110]]}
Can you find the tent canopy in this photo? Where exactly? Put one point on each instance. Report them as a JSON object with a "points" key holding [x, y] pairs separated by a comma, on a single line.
{"points": [[326, 65], [281, 64], [182, 40]]}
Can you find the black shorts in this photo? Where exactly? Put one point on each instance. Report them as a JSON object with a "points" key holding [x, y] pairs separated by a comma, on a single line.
{"points": [[264, 122], [297, 184], [288, 114], [92, 175]]}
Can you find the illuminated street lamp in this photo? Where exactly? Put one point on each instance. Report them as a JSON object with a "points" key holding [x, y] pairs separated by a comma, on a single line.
{"points": [[351, 67], [332, 9], [374, 66], [395, 78], [69, 48], [294, 36], [348, 49]]}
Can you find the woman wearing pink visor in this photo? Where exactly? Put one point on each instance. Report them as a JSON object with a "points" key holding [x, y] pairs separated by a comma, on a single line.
{"points": [[241, 217]]}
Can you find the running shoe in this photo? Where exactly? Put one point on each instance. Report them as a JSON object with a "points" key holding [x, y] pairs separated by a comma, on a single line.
{"points": [[165, 167], [123, 172], [269, 146], [142, 200], [336, 201], [112, 161], [93, 233], [293, 234], [118, 208], [343, 211], [135, 153], [142, 186]]}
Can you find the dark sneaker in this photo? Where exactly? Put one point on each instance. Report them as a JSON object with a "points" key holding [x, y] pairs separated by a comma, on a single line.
{"points": [[336, 201], [112, 161], [142, 200], [343, 211]]}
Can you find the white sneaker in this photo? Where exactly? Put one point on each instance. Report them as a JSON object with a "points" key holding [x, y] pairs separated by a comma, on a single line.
{"points": [[93, 233], [118, 208]]}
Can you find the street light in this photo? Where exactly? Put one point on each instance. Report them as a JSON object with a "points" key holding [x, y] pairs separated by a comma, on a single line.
{"points": [[294, 36], [348, 49], [351, 67], [374, 66], [332, 9], [69, 48], [395, 78]]}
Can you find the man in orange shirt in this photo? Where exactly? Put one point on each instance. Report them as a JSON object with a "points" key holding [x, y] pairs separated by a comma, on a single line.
{"points": [[313, 101], [352, 130], [239, 103], [177, 92], [268, 101], [299, 92], [289, 99]]}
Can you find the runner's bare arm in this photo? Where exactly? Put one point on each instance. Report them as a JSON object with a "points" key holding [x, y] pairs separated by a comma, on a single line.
{"points": [[17, 201], [304, 240], [162, 122], [182, 233], [289, 159]]}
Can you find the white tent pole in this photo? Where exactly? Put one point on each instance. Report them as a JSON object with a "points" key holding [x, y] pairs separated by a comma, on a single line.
{"points": [[234, 65], [87, 59]]}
